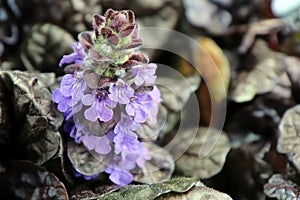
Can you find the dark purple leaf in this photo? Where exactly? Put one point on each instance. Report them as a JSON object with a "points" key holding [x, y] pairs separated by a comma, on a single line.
{"points": [[127, 31], [85, 38], [44, 48], [134, 44], [36, 118], [150, 130], [24, 180], [98, 20], [159, 168], [86, 162]]}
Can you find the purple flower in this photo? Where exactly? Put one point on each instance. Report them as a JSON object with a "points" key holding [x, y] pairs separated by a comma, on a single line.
{"points": [[126, 143], [144, 155], [72, 129], [67, 84], [100, 106], [126, 125], [78, 174], [155, 95], [119, 177], [64, 103], [104, 71], [100, 144], [73, 85], [120, 92], [126, 160], [78, 90], [156, 99], [68, 114], [143, 74], [139, 106], [76, 57], [120, 167], [69, 94]]}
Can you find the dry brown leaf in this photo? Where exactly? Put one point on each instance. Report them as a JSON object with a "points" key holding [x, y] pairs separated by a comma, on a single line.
{"points": [[263, 27], [214, 68], [293, 73], [289, 137], [263, 77], [213, 65]]}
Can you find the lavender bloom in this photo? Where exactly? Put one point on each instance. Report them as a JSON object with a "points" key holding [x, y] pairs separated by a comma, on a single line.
{"points": [[72, 85], [68, 114], [78, 90], [69, 94], [77, 174], [76, 57], [126, 125], [119, 169], [74, 133], [139, 107], [101, 106], [111, 93], [155, 95], [144, 155], [64, 103], [120, 92], [119, 177], [67, 83], [100, 144], [156, 99], [126, 143], [143, 74], [124, 137]]}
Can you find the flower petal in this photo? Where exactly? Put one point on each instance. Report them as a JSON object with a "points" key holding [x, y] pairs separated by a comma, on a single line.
{"points": [[121, 177], [90, 114], [88, 99]]}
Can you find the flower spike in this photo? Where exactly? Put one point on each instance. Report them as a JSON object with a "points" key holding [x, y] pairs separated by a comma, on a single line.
{"points": [[108, 93]]}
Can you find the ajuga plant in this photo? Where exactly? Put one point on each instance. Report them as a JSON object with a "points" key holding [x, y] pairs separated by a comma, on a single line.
{"points": [[107, 93]]}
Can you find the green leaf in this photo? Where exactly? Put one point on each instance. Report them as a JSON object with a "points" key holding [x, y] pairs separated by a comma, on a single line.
{"points": [[176, 188], [196, 193]]}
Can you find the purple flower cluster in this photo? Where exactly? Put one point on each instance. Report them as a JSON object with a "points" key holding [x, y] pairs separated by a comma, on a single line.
{"points": [[109, 94]]}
